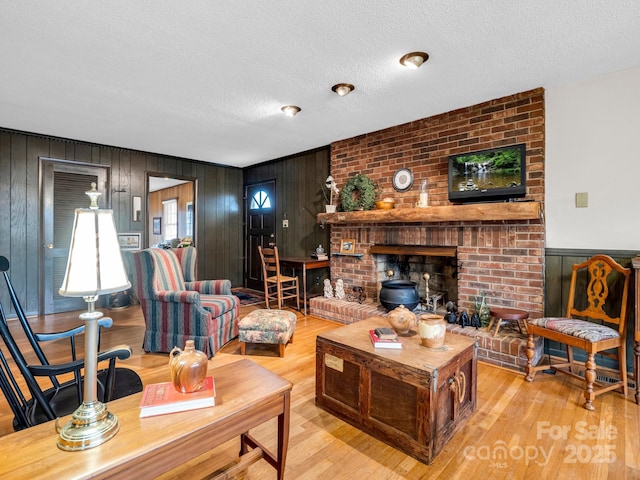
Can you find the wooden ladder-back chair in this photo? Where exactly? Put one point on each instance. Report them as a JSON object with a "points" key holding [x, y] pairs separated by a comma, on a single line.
{"points": [[277, 287], [595, 322], [37, 403]]}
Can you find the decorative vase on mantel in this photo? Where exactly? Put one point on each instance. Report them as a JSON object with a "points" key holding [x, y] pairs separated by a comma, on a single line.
{"points": [[330, 208], [188, 368]]}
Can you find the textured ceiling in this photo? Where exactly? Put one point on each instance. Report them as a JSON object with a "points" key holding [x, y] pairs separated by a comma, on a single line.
{"points": [[206, 79]]}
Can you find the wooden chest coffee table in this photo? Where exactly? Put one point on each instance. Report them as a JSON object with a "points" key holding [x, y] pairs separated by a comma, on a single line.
{"points": [[414, 399]]}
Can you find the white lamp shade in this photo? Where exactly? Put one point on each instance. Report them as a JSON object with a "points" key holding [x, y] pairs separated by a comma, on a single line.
{"points": [[95, 263]]}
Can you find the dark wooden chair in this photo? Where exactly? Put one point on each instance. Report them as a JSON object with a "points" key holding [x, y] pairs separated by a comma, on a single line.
{"points": [[595, 322], [40, 402], [277, 287]]}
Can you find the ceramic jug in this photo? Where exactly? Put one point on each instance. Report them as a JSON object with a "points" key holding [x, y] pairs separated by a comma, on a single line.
{"points": [[188, 368], [432, 329], [402, 319]]}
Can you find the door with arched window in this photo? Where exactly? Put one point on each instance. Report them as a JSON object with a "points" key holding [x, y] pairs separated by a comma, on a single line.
{"points": [[261, 228]]}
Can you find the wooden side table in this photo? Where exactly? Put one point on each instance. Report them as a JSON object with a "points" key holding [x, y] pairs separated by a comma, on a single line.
{"points": [[635, 261], [510, 315], [304, 264], [247, 395]]}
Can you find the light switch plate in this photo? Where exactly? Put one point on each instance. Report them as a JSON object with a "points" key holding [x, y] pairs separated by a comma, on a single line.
{"points": [[285, 223], [582, 200]]}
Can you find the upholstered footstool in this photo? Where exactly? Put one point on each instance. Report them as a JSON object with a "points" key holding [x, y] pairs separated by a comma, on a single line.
{"points": [[268, 326]]}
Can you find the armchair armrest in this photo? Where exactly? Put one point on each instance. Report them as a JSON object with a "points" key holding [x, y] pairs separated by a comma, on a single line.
{"points": [[121, 352], [178, 296], [105, 322], [210, 287]]}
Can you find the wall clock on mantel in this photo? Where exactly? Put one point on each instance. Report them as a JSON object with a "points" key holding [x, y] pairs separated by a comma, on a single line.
{"points": [[402, 179]]}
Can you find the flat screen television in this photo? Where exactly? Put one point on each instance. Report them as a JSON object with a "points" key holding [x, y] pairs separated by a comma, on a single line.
{"points": [[496, 174]]}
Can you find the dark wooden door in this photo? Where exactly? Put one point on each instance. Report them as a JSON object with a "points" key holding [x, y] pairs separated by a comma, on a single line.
{"points": [[63, 190], [261, 229]]}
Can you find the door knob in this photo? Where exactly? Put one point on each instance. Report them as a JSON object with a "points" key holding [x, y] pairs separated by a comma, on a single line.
{"points": [[49, 246]]}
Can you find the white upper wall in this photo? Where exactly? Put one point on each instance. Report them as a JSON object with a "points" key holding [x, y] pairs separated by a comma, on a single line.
{"points": [[593, 146]]}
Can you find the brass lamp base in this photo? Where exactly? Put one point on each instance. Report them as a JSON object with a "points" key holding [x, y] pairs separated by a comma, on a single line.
{"points": [[91, 425]]}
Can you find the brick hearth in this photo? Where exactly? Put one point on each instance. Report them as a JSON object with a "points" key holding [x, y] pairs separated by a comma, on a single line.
{"points": [[507, 349]]}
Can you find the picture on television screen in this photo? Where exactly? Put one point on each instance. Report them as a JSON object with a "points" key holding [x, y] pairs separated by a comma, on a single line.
{"points": [[488, 175]]}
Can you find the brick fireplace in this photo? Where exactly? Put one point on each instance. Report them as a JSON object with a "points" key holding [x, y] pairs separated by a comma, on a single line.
{"points": [[503, 260], [502, 257]]}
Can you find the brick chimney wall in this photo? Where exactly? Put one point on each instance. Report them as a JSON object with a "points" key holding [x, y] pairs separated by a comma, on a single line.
{"points": [[505, 259]]}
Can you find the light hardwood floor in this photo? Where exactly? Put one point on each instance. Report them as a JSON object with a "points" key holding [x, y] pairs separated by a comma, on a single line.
{"points": [[520, 430]]}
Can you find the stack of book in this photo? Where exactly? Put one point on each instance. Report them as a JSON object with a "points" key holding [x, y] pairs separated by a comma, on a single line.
{"points": [[384, 337], [162, 398]]}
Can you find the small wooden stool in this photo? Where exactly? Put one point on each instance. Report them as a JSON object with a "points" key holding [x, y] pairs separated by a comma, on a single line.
{"points": [[510, 315]]}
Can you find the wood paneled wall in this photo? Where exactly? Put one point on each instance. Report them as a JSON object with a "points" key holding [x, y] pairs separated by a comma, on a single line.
{"points": [[300, 181], [219, 204]]}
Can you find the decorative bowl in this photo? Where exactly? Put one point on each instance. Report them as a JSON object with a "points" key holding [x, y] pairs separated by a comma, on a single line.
{"points": [[384, 204]]}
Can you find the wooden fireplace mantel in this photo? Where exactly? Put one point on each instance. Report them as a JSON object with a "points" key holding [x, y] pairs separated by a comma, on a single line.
{"points": [[449, 213], [413, 250]]}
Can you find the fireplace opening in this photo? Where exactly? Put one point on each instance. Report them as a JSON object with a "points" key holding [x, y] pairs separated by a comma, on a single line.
{"points": [[434, 270]]}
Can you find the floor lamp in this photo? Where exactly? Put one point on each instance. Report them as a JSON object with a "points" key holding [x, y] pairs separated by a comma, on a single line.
{"points": [[94, 268]]}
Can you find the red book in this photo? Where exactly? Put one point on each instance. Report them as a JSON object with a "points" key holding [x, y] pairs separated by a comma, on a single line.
{"points": [[386, 343], [161, 398]]}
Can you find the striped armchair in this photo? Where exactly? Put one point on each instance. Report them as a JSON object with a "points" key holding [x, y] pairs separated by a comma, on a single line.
{"points": [[177, 308]]}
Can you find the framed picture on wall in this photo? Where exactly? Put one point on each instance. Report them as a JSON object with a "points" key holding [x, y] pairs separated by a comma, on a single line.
{"points": [[130, 241], [157, 225], [347, 245]]}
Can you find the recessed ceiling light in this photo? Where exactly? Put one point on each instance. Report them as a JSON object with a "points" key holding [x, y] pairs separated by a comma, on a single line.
{"points": [[290, 110], [343, 89], [414, 59]]}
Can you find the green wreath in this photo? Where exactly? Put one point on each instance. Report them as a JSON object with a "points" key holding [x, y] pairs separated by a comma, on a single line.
{"points": [[364, 197]]}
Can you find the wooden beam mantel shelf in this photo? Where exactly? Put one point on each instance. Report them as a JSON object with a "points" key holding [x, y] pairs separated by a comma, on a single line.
{"points": [[413, 250], [450, 213]]}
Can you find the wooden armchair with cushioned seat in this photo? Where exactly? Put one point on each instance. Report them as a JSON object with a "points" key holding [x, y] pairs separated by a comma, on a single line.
{"points": [[595, 321], [177, 307]]}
